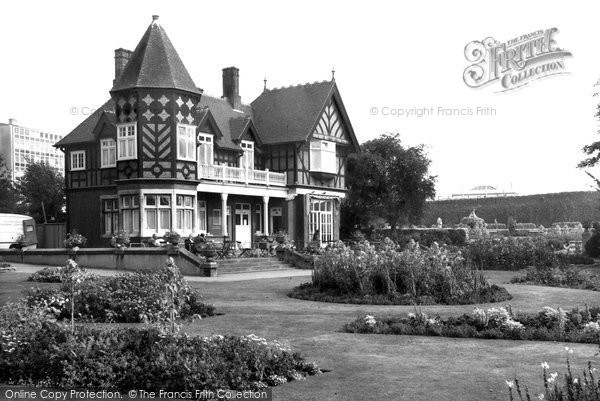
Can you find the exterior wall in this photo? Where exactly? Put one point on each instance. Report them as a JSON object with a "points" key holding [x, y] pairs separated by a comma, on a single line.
{"points": [[85, 214]]}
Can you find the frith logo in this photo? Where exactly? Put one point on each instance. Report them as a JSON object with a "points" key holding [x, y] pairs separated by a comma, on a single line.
{"points": [[515, 63]]}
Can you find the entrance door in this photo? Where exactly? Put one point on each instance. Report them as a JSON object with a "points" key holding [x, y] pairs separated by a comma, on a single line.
{"points": [[243, 232], [321, 219]]}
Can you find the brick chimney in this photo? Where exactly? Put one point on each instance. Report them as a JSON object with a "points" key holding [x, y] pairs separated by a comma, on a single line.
{"points": [[231, 87], [122, 57]]}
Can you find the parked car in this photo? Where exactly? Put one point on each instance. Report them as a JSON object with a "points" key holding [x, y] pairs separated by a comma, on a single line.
{"points": [[17, 231]]}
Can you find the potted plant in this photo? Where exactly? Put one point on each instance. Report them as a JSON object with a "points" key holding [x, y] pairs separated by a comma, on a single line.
{"points": [[172, 237], [209, 251], [74, 240], [120, 240]]}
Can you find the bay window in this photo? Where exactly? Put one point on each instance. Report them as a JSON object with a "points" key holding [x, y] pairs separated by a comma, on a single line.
{"points": [[186, 142], [127, 141], [322, 157], [110, 216], [185, 213], [130, 212], [157, 209]]}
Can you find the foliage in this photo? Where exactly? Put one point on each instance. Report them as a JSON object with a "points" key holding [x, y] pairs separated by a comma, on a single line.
{"points": [[386, 180], [586, 388], [8, 195], [42, 183], [434, 275], [74, 239], [426, 236], [126, 298], [560, 276], [579, 325], [120, 239], [172, 237], [543, 209], [36, 350], [592, 246], [511, 253], [47, 275]]}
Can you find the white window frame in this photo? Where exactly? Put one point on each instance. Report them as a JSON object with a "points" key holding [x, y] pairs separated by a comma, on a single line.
{"points": [[184, 213], [109, 145], [320, 152], [188, 152], [78, 160], [206, 147], [129, 142], [130, 207], [157, 210], [247, 158]]}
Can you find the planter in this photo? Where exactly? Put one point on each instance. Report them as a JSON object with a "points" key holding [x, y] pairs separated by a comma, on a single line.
{"points": [[172, 249]]}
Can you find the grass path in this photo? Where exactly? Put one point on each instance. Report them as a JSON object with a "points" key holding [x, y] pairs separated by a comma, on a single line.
{"points": [[376, 367]]}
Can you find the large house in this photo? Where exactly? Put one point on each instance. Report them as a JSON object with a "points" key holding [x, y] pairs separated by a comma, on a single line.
{"points": [[160, 156]]}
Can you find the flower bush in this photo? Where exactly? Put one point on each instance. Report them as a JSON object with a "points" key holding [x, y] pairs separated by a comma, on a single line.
{"points": [[37, 350], [74, 240], [560, 276], [126, 298], [120, 239], [365, 274], [586, 388], [494, 323], [511, 253]]}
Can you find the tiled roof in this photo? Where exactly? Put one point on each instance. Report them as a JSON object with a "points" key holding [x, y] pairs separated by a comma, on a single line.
{"points": [[84, 131], [230, 121], [289, 114], [155, 64]]}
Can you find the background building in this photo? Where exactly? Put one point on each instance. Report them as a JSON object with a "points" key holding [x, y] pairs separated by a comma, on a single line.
{"points": [[21, 145], [483, 191]]}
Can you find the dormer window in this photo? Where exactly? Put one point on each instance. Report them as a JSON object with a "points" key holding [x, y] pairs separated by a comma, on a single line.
{"points": [[247, 158], [322, 157], [127, 141], [108, 153], [205, 149], [186, 142]]}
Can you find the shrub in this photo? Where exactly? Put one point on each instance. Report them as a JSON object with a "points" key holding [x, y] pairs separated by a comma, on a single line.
{"points": [[592, 246], [561, 276], [37, 350], [495, 323], [511, 253], [75, 240], [47, 275], [364, 274], [125, 298], [427, 236]]}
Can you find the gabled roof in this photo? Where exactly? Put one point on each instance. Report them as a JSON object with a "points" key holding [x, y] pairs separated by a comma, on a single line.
{"points": [[155, 64], [289, 114], [84, 132], [231, 123]]}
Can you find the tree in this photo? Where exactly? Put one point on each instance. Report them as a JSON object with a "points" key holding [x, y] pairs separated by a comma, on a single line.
{"points": [[592, 152], [42, 184], [389, 181], [8, 194]]}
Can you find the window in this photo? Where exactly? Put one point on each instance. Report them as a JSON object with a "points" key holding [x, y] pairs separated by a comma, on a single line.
{"points": [[78, 160], [110, 215], [185, 212], [186, 142], [127, 141], [108, 153], [321, 218], [322, 157], [130, 209], [202, 216], [216, 217], [247, 159], [158, 212], [259, 218], [205, 149]]}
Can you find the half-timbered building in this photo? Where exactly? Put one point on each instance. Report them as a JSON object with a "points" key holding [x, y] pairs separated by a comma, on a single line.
{"points": [[161, 156]]}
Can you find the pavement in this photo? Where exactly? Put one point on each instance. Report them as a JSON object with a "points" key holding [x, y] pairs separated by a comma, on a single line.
{"points": [[28, 268]]}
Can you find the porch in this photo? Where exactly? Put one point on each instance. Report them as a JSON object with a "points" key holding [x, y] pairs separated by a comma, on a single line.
{"points": [[241, 175]]}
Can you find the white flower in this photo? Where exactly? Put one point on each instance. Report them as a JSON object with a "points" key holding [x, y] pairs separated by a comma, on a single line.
{"points": [[545, 365], [510, 384], [593, 327], [575, 380], [411, 315], [541, 396], [552, 377], [370, 320]]}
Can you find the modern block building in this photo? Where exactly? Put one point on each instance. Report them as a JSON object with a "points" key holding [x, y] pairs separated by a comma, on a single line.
{"points": [[21, 145], [160, 155]]}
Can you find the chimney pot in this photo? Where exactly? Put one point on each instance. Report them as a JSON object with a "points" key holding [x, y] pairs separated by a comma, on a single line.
{"points": [[231, 87], [155, 18]]}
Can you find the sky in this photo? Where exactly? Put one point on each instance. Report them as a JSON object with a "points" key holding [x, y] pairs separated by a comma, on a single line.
{"points": [[58, 65]]}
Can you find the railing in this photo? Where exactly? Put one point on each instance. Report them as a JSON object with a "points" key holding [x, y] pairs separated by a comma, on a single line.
{"points": [[241, 175]]}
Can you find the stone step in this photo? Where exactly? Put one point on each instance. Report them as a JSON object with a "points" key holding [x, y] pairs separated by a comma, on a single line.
{"points": [[241, 265]]}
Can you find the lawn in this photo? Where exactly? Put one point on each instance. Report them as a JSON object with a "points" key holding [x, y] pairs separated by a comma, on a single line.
{"points": [[374, 367]]}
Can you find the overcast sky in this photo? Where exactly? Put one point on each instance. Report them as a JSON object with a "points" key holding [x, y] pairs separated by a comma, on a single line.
{"points": [[57, 56]]}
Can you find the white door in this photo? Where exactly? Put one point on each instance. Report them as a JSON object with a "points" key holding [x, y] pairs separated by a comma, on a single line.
{"points": [[243, 232]]}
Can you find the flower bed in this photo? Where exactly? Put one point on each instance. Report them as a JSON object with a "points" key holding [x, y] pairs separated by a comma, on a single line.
{"points": [[47, 275], [387, 275], [561, 276], [496, 323], [36, 350], [125, 298]]}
